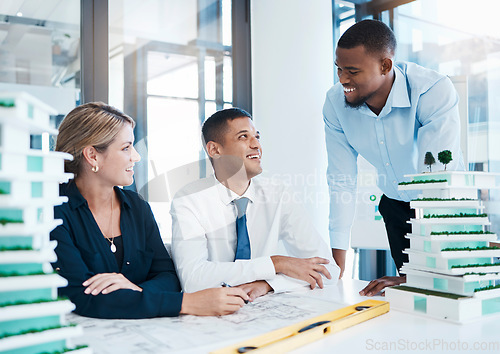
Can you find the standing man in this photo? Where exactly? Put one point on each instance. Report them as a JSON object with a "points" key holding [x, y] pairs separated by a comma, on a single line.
{"points": [[392, 114], [236, 228]]}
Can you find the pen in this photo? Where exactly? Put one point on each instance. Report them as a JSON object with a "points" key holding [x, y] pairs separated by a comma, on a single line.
{"points": [[226, 285]]}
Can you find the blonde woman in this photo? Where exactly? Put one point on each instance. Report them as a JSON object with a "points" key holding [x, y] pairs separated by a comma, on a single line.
{"points": [[109, 247]]}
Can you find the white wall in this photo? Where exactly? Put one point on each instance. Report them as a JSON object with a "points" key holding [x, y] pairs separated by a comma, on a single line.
{"points": [[292, 68]]}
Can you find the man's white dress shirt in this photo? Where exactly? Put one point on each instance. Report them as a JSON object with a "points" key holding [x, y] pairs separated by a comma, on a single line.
{"points": [[204, 235]]}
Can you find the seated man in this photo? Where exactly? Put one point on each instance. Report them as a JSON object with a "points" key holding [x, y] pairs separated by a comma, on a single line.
{"points": [[227, 227]]}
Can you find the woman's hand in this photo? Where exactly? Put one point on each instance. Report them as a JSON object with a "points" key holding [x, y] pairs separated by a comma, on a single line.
{"points": [[213, 302], [105, 283], [256, 289]]}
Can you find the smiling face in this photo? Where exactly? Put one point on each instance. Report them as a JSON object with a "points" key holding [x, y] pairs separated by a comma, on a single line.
{"points": [[364, 77], [116, 164], [240, 148]]}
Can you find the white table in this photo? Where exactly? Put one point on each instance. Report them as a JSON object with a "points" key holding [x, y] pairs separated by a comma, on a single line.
{"points": [[395, 332]]}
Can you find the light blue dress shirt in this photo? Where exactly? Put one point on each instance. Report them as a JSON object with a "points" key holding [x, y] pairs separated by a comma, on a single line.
{"points": [[420, 115]]}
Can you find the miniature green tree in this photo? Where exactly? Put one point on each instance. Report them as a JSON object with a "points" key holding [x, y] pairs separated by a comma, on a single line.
{"points": [[445, 157], [429, 160]]}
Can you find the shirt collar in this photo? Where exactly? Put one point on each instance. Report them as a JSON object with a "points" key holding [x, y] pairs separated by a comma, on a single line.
{"points": [[399, 93], [76, 199], [398, 96], [227, 196]]}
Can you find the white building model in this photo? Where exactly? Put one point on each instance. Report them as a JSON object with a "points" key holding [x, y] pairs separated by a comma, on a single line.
{"points": [[32, 317], [452, 270]]}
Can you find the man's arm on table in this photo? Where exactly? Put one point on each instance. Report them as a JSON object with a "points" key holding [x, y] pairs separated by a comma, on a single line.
{"points": [[308, 257], [196, 272], [309, 270], [377, 285], [342, 179]]}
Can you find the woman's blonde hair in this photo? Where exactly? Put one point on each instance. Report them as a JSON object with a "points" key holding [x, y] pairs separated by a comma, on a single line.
{"points": [[91, 124]]}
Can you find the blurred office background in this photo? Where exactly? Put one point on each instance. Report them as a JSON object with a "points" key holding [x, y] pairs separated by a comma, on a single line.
{"points": [[172, 63]]}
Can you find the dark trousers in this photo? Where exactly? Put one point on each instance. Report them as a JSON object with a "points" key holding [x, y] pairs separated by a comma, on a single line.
{"points": [[396, 213]]}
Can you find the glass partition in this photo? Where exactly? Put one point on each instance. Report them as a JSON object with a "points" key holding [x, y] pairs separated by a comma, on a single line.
{"points": [[170, 67], [459, 38], [465, 45], [40, 51]]}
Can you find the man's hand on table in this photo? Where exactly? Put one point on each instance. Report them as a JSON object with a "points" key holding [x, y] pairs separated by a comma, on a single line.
{"points": [[307, 269], [377, 285]]}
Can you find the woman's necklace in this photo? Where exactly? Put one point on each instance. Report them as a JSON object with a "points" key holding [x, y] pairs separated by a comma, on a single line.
{"points": [[111, 239]]}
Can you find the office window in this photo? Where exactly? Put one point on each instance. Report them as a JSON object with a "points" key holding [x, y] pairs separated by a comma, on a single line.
{"points": [[458, 38], [459, 43], [40, 50], [462, 44], [170, 67]]}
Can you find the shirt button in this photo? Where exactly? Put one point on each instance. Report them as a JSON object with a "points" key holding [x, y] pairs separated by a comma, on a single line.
{"points": [[387, 163], [381, 141], [128, 263], [393, 181]]}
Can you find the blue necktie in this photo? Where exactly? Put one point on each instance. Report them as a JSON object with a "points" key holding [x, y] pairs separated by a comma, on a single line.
{"points": [[243, 242]]}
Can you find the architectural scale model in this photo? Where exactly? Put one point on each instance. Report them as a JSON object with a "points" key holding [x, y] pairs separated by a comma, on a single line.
{"points": [[32, 317], [452, 270]]}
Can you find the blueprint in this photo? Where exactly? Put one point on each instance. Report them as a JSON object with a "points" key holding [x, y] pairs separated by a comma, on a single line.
{"points": [[186, 334]]}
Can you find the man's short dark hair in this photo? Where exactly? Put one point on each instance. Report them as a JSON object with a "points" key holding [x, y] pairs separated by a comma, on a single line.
{"points": [[215, 126], [374, 35]]}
